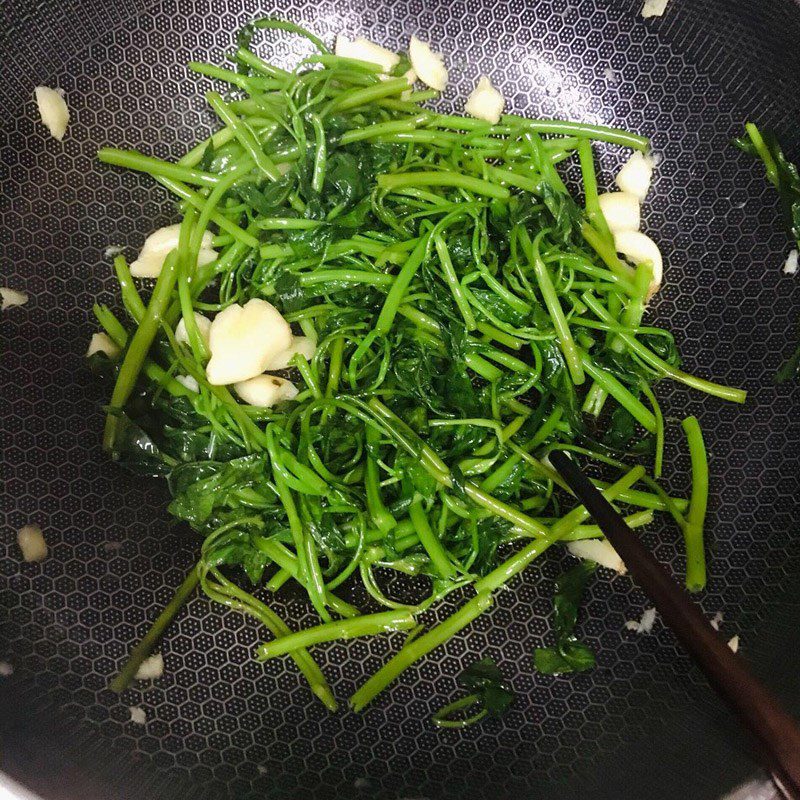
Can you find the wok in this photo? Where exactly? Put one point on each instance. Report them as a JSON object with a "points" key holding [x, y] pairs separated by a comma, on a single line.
{"points": [[642, 724]]}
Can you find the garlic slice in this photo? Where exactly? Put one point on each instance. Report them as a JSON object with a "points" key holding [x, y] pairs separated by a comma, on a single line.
{"points": [[599, 550], [11, 297], [265, 390], [485, 102], [300, 344], [31, 541], [159, 244], [428, 65], [203, 327], [365, 50], [621, 211], [641, 249], [635, 175], [244, 339], [151, 668], [102, 343]]}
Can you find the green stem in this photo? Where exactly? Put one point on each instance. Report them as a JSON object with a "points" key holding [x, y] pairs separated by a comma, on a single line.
{"points": [[130, 294], [599, 133], [401, 282], [430, 541], [456, 180], [519, 561], [380, 515], [130, 159], [565, 341], [418, 648], [198, 202], [366, 625], [661, 366], [592, 201], [151, 638], [244, 135], [698, 502], [606, 381], [452, 281], [242, 601], [440, 718], [353, 98], [139, 346]]}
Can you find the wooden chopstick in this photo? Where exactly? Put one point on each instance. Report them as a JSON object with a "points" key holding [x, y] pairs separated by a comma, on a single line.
{"points": [[775, 733]]}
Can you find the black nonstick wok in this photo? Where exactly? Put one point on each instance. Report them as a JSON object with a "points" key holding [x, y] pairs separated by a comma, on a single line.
{"points": [[219, 725]]}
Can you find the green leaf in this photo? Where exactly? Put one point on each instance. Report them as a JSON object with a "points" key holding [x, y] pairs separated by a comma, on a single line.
{"points": [[781, 173], [568, 655], [137, 451], [791, 369], [572, 657], [484, 679]]}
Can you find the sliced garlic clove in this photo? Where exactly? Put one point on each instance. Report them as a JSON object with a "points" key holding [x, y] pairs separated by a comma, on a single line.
{"points": [[303, 345], [621, 211], [102, 343], [600, 551], [159, 244], [52, 110], [203, 326], [244, 339], [428, 65], [636, 175], [265, 390], [365, 50], [11, 297], [485, 102], [641, 249]]}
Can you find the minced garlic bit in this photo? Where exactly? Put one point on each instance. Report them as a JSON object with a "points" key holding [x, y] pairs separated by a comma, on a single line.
{"points": [[11, 298], [791, 264], [52, 110], [151, 668], [654, 8], [31, 541], [645, 624], [138, 717]]}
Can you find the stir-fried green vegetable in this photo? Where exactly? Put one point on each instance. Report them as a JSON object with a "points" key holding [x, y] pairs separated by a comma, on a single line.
{"points": [[462, 304], [784, 175], [781, 172]]}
